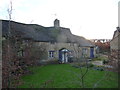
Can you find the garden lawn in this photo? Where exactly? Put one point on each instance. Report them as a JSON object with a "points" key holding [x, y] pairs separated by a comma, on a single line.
{"points": [[66, 76]]}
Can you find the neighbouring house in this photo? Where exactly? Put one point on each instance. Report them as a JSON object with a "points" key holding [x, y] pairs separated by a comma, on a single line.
{"points": [[115, 48], [102, 45]]}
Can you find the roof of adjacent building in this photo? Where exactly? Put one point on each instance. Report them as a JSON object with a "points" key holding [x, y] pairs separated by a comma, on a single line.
{"points": [[42, 34]]}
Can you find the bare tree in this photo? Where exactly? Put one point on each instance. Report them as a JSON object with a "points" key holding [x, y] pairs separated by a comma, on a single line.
{"points": [[9, 10], [77, 53], [84, 62]]}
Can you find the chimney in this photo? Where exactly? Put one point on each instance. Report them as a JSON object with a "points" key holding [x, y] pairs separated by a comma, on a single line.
{"points": [[56, 23]]}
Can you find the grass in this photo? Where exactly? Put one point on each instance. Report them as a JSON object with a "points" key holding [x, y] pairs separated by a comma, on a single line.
{"points": [[66, 76]]}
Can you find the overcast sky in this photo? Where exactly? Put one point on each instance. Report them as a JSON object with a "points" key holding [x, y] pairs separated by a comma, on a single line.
{"points": [[92, 19]]}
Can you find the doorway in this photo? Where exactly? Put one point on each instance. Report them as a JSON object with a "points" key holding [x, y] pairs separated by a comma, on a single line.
{"points": [[63, 55], [91, 52]]}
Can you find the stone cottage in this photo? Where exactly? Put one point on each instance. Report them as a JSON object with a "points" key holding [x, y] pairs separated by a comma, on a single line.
{"points": [[115, 47], [57, 42], [24, 45]]}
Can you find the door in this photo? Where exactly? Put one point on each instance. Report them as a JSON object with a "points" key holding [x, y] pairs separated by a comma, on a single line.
{"points": [[63, 55], [91, 52], [60, 55]]}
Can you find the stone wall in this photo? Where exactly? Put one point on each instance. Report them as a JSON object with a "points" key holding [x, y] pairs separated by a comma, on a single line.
{"points": [[115, 59], [114, 43], [115, 51], [77, 51]]}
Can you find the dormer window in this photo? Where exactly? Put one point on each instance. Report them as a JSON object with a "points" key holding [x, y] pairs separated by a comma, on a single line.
{"points": [[52, 42]]}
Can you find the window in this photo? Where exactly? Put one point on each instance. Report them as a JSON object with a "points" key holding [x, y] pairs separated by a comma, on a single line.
{"points": [[3, 38], [20, 53], [52, 42], [84, 51], [51, 54]]}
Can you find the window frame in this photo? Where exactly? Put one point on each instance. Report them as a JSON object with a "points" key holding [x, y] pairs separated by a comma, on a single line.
{"points": [[51, 54]]}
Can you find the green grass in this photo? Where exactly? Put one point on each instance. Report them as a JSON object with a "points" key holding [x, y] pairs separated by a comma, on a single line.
{"points": [[66, 76]]}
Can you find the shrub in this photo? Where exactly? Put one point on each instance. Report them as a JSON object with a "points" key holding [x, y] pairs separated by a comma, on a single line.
{"points": [[90, 65], [83, 64], [105, 61], [99, 68], [101, 58], [46, 62]]}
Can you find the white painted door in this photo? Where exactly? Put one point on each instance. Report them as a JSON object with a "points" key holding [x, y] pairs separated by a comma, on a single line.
{"points": [[63, 57], [66, 57]]}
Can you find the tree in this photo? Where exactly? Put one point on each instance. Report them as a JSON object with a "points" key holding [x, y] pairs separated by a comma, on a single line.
{"points": [[80, 63]]}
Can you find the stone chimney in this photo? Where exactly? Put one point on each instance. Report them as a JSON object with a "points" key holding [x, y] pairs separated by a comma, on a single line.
{"points": [[56, 23]]}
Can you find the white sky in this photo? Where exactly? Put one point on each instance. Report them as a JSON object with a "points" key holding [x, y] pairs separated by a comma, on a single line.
{"points": [[92, 19]]}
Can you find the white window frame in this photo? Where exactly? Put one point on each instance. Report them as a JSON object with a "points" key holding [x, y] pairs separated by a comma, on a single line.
{"points": [[51, 54]]}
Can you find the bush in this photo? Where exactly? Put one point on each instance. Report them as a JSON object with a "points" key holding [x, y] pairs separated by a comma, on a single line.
{"points": [[105, 61], [101, 58], [99, 68], [90, 65], [83, 64], [46, 62]]}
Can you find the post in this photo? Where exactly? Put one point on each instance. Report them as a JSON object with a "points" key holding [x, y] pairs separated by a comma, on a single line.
{"points": [[0, 54], [119, 14]]}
